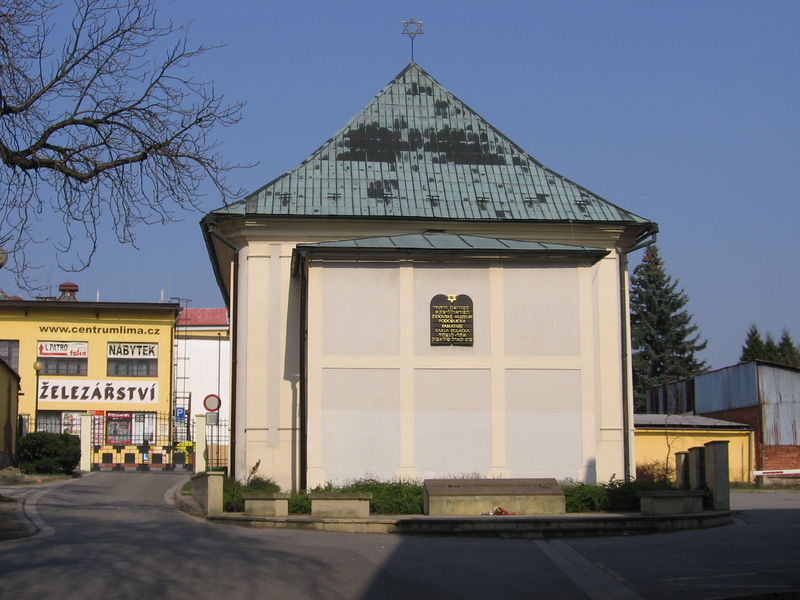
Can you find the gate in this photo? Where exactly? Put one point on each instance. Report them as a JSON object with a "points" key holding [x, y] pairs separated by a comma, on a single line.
{"points": [[138, 441], [141, 442]]}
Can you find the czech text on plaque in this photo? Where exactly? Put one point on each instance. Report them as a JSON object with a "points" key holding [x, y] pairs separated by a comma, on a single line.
{"points": [[451, 320]]}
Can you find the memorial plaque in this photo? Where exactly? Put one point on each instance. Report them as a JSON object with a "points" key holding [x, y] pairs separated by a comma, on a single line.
{"points": [[452, 320]]}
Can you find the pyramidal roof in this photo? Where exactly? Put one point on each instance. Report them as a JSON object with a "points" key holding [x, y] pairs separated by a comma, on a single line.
{"points": [[418, 152]]}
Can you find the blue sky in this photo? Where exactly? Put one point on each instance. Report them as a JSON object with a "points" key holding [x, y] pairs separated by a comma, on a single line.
{"points": [[684, 112]]}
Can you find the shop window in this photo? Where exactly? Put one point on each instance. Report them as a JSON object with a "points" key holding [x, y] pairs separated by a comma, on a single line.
{"points": [[63, 365], [144, 427], [124, 428], [60, 422], [9, 352], [49, 420]]}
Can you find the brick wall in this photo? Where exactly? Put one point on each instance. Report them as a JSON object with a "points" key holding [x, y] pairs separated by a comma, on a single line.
{"points": [[781, 457], [752, 416]]}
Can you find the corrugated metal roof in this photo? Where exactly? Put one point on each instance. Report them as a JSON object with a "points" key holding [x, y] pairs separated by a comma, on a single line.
{"points": [[684, 421], [417, 151], [448, 241]]}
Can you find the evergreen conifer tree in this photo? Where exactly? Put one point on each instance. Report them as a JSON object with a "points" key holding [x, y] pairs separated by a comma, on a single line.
{"points": [[788, 353], [665, 342], [753, 348], [784, 351], [771, 352]]}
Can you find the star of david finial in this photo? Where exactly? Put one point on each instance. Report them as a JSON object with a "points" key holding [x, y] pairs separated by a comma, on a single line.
{"points": [[412, 28]]}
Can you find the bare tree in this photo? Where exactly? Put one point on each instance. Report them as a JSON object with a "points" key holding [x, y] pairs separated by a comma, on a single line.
{"points": [[103, 123]]}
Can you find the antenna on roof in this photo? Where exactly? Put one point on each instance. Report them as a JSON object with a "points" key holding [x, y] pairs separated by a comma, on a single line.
{"points": [[412, 33]]}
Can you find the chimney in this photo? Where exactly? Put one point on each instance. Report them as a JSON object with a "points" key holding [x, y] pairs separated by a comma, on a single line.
{"points": [[68, 291]]}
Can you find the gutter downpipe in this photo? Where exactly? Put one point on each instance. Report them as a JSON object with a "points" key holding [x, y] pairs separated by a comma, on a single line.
{"points": [[303, 362], [626, 378], [233, 325]]}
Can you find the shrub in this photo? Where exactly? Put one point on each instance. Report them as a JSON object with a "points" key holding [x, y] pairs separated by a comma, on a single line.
{"points": [[261, 484], [580, 497], [390, 497], [398, 497], [654, 472], [615, 496], [233, 490], [623, 496], [45, 452], [299, 503], [232, 499]]}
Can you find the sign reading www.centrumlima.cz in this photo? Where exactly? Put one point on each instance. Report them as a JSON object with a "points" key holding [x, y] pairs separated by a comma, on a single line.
{"points": [[64, 349]]}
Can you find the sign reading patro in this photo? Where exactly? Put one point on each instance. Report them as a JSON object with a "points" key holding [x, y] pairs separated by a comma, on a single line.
{"points": [[452, 320]]}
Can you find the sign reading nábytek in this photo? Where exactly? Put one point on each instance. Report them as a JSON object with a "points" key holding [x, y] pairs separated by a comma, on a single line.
{"points": [[130, 350], [452, 320]]}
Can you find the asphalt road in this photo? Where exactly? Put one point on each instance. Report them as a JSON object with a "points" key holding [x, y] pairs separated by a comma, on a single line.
{"points": [[114, 535]]}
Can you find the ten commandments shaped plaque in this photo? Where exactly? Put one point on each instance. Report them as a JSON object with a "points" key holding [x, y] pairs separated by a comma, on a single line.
{"points": [[451, 320]]}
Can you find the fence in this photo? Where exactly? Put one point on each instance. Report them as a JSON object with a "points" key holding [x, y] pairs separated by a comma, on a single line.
{"points": [[137, 441]]}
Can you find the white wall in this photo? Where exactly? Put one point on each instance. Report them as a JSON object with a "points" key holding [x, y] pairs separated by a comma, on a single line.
{"points": [[208, 372], [530, 398]]}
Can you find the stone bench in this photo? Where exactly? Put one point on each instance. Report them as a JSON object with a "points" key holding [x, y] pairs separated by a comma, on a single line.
{"points": [[354, 505], [472, 497], [266, 504], [671, 502]]}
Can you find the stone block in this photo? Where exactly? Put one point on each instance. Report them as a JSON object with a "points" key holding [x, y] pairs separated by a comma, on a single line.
{"points": [[473, 497], [671, 502], [717, 476], [697, 471], [340, 505], [266, 504]]}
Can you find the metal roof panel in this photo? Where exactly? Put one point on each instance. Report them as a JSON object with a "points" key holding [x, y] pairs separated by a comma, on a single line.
{"points": [[417, 151]]}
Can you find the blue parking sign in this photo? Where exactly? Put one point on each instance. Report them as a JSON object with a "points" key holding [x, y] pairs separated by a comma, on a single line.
{"points": [[180, 413]]}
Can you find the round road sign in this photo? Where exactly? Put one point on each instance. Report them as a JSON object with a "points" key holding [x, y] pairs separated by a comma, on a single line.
{"points": [[212, 403]]}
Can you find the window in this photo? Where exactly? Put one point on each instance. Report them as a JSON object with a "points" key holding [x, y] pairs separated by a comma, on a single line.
{"points": [[132, 367], [132, 359], [60, 422], [9, 352], [60, 365], [62, 358]]}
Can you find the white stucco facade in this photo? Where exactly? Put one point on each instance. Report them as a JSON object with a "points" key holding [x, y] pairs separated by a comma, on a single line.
{"points": [[539, 394]]}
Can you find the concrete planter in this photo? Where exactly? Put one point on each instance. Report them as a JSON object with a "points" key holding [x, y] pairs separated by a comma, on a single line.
{"points": [[266, 504], [340, 505], [671, 502], [474, 497]]}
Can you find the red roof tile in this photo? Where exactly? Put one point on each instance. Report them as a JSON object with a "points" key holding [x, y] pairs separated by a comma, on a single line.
{"points": [[203, 317]]}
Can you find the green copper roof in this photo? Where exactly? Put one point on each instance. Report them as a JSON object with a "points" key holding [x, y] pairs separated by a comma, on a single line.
{"points": [[451, 242], [450, 246], [416, 151]]}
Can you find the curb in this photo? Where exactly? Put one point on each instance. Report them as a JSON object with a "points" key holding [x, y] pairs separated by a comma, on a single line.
{"points": [[539, 527]]}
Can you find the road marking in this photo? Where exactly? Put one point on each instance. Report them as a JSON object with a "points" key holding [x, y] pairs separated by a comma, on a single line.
{"points": [[593, 581]]}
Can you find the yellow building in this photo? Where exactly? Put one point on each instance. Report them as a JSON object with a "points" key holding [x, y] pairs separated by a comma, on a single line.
{"points": [[659, 437], [9, 393], [111, 360]]}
